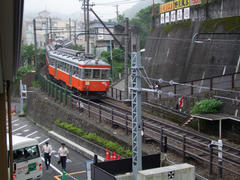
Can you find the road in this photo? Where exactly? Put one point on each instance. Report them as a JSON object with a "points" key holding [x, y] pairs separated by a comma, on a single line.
{"points": [[76, 167]]}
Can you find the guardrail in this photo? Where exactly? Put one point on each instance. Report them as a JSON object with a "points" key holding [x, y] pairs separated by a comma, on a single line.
{"points": [[188, 145]]}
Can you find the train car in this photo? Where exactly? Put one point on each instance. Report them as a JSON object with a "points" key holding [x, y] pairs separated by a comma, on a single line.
{"points": [[85, 75]]}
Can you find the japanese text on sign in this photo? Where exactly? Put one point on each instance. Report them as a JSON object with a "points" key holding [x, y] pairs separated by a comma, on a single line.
{"points": [[166, 7], [181, 3]]}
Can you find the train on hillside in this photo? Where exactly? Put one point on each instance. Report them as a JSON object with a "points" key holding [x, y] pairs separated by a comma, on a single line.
{"points": [[83, 73]]}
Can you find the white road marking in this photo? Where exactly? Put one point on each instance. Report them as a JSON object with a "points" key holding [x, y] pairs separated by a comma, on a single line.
{"points": [[15, 120], [18, 134], [37, 137], [44, 141], [20, 128], [15, 124], [69, 160], [54, 168], [26, 130], [31, 133]]}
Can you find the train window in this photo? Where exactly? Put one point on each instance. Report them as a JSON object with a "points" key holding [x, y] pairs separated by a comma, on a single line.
{"points": [[105, 74], [88, 73], [79, 73], [96, 74]]}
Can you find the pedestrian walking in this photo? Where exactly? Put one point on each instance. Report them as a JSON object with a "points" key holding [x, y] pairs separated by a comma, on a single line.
{"points": [[47, 152], [63, 155]]}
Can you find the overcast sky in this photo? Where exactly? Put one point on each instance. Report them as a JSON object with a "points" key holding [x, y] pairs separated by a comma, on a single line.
{"points": [[106, 9]]}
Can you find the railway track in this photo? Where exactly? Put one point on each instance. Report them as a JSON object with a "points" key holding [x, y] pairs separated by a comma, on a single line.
{"points": [[185, 142]]}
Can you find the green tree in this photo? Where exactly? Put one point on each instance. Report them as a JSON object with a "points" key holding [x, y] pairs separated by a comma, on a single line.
{"points": [[143, 20], [105, 55], [121, 18], [118, 55], [27, 55]]}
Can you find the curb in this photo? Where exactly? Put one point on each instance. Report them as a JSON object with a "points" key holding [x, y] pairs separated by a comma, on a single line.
{"points": [[85, 152]]}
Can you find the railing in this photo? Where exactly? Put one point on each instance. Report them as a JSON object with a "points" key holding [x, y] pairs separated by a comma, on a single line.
{"points": [[185, 145], [224, 82], [189, 88]]}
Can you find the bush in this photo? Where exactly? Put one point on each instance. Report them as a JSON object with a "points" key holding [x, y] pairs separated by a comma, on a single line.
{"points": [[206, 106], [35, 84], [93, 137]]}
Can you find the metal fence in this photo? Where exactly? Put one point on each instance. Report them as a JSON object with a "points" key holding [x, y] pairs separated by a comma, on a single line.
{"points": [[187, 145]]}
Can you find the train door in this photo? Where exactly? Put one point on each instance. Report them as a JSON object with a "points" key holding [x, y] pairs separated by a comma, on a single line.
{"points": [[70, 75]]}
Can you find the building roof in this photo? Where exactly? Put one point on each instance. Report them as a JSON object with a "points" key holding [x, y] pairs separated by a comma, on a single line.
{"points": [[215, 117]]}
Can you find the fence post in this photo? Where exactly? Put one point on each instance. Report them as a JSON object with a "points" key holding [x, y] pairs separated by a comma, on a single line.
{"points": [[65, 97], [126, 117], [49, 88], [88, 109], [211, 160], [53, 89], [71, 103], [184, 147], [192, 88], [57, 93], [61, 95], [100, 113], [120, 95], [233, 83], [161, 145], [211, 84], [112, 118], [116, 94], [175, 89], [165, 144], [112, 92]]}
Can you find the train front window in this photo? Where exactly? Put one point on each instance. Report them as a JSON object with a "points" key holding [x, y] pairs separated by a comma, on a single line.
{"points": [[105, 74], [88, 73], [96, 74]]}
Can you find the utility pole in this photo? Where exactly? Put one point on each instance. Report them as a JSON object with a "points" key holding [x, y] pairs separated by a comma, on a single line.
{"points": [[88, 26], [126, 58], [111, 58], [85, 23], [35, 42], [50, 24], [136, 114], [153, 15], [46, 32], [70, 37], [117, 12], [75, 34]]}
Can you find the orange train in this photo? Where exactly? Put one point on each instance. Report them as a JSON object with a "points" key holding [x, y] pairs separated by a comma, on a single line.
{"points": [[85, 75]]}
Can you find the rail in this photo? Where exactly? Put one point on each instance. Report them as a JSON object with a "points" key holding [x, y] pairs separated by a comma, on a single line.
{"points": [[186, 143]]}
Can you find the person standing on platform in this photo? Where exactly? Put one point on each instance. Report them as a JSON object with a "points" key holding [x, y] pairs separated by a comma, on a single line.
{"points": [[63, 155], [47, 151]]}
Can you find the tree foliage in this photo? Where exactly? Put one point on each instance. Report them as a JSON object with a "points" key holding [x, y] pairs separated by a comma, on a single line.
{"points": [[206, 106], [27, 55], [143, 20]]}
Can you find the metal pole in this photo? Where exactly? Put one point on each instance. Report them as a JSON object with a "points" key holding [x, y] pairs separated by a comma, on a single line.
{"points": [[75, 35], [126, 60], [46, 32], [136, 115], [70, 37], [3, 137], [10, 130], [111, 59], [117, 13], [50, 24], [35, 42], [114, 37], [21, 99], [88, 49]]}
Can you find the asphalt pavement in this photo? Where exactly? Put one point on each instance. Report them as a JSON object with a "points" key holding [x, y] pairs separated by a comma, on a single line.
{"points": [[76, 165]]}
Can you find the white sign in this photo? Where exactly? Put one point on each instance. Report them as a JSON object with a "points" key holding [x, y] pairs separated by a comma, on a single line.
{"points": [[187, 13], [179, 14], [173, 16], [167, 18], [162, 19]]}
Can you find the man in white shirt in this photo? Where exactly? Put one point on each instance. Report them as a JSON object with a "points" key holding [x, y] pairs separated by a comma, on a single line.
{"points": [[63, 154], [47, 151]]}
